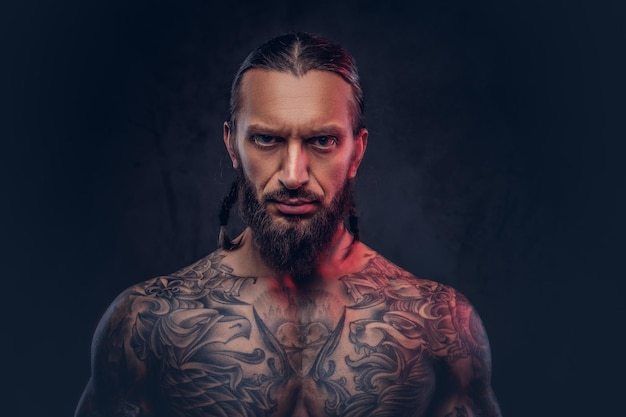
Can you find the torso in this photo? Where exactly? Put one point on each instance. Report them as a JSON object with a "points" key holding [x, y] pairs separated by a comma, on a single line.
{"points": [[222, 344]]}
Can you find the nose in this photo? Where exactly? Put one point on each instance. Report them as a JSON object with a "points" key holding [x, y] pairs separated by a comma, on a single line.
{"points": [[295, 167]]}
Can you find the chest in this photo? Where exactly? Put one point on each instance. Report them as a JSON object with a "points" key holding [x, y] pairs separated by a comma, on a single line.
{"points": [[284, 355]]}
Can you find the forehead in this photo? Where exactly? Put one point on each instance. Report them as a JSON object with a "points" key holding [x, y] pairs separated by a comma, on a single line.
{"points": [[283, 98]]}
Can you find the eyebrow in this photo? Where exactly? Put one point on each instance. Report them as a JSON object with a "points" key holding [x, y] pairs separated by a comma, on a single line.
{"points": [[329, 129]]}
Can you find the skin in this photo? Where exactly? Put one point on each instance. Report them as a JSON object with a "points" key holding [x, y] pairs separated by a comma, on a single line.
{"points": [[295, 133], [229, 336]]}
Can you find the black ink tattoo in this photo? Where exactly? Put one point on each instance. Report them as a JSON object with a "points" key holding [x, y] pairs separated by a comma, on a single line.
{"points": [[372, 352]]}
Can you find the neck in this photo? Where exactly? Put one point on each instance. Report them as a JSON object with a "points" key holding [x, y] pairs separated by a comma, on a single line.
{"points": [[329, 264]]}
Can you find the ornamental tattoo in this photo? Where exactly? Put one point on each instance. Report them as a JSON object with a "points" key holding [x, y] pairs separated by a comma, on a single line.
{"points": [[370, 351]]}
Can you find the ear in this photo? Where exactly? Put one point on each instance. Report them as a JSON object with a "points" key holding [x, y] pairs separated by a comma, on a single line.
{"points": [[360, 142], [230, 142]]}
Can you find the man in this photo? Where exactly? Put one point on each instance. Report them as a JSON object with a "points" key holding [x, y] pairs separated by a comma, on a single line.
{"points": [[295, 316]]}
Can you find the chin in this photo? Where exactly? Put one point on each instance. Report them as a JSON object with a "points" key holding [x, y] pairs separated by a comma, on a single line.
{"points": [[293, 220]]}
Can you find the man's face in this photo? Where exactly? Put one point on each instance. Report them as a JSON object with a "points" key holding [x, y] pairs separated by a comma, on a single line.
{"points": [[295, 147]]}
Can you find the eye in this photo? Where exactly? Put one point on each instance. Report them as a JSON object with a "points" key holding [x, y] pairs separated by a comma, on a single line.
{"points": [[325, 143], [265, 141]]}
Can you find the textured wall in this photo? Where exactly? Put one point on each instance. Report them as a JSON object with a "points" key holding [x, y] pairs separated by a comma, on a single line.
{"points": [[493, 165]]}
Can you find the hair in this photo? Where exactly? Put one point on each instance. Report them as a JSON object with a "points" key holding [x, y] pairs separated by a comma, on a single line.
{"points": [[299, 53], [296, 53], [231, 198]]}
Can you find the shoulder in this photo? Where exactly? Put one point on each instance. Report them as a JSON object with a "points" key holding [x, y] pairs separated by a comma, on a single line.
{"points": [[186, 283], [182, 289], [441, 315], [380, 275]]}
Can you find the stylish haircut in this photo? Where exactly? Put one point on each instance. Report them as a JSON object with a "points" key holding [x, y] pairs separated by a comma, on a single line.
{"points": [[298, 53]]}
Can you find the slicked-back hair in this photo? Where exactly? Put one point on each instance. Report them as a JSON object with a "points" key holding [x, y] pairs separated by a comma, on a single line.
{"points": [[298, 53], [295, 53]]}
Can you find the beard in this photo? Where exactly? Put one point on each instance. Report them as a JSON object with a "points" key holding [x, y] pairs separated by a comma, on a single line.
{"points": [[295, 245]]}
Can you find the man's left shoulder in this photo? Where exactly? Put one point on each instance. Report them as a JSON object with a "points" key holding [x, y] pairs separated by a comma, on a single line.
{"points": [[431, 314], [382, 273], [383, 277]]}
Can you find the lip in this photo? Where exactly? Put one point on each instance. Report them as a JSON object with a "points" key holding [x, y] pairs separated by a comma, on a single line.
{"points": [[296, 207]]}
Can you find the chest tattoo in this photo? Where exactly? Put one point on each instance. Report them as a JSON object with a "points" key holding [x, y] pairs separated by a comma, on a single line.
{"points": [[368, 349]]}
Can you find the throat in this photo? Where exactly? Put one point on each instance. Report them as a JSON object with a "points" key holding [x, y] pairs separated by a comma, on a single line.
{"points": [[297, 263]]}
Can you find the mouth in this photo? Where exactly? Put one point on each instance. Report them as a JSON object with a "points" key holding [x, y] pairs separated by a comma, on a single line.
{"points": [[295, 206]]}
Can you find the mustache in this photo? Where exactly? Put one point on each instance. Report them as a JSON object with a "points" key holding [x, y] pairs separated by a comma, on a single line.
{"points": [[242, 182], [284, 194]]}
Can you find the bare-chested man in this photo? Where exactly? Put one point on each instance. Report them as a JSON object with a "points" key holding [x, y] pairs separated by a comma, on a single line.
{"points": [[295, 316]]}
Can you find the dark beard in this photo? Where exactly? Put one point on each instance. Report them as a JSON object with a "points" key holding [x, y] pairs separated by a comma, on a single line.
{"points": [[294, 248]]}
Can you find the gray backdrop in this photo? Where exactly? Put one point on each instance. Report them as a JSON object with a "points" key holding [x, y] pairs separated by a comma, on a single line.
{"points": [[494, 165]]}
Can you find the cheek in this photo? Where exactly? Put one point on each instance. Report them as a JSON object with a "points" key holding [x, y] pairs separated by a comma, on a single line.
{"points": [[332, 177], [258, 170]]}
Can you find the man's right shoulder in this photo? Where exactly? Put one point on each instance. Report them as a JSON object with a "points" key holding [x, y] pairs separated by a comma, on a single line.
{"points": [[189, 282]]}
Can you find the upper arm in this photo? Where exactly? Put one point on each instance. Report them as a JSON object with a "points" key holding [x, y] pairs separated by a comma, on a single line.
{"points": [[465, 388], [118, 385]]}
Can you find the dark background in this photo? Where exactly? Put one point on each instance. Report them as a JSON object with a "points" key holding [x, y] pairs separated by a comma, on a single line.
{"points": [[494, 165]]}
